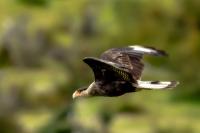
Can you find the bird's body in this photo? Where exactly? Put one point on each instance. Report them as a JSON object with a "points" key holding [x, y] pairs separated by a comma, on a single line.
{"points": [[111, 89], [118, 71]]}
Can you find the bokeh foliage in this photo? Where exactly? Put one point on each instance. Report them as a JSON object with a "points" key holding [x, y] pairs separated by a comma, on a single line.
{"points": [[42, 44]]}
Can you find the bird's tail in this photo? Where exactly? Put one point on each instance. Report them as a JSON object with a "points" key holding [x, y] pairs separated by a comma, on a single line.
{"points": [[157, 85]]}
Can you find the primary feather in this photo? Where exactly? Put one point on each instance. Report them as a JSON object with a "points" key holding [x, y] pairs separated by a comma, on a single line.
{"points": [[130, 58]]}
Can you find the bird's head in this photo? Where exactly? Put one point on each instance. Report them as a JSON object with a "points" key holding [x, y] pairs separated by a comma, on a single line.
{"points": [[86, 91], [80, 92]]}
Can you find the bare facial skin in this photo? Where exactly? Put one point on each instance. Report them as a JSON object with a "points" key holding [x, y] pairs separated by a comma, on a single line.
{"points": [[76, 94], [79, 94]]}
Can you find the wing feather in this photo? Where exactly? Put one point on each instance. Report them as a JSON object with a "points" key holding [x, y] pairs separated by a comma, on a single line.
{"points": [[107, 71], [130, 58]]}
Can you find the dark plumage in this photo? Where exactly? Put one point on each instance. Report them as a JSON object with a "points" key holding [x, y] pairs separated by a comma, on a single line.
{"points": [[118, 71]]}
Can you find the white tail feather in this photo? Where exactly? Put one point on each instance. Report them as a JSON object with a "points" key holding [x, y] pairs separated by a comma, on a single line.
{"points": [[154, 85]]}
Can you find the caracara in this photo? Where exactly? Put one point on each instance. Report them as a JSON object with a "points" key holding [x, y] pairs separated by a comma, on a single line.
{"points": [[118, 71]]}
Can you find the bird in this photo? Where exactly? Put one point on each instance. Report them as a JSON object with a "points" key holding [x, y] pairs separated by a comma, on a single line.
{"points": [[118, 71]]}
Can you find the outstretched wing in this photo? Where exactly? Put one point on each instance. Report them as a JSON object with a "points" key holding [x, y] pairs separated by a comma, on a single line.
{"points": [[129, 58], [107, 71]]}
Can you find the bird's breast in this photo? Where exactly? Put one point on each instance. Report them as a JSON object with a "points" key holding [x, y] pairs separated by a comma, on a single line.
{"points": [[115, 88]]}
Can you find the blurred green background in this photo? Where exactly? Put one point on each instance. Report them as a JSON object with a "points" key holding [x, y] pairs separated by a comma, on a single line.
{"points": [[42, 43]]}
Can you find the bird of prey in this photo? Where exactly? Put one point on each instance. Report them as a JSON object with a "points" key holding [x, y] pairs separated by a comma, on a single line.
{"points": [[118, 71]]}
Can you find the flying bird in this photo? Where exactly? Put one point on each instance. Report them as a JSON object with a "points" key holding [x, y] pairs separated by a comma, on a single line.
{"points": [[118, 71]]}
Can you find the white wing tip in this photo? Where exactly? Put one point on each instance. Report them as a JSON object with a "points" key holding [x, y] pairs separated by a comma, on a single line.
{"points": [[148, 50], [142, 49], [135, 46]]}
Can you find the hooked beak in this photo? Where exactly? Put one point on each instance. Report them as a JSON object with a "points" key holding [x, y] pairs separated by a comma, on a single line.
{"points": [[76, 94]]}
